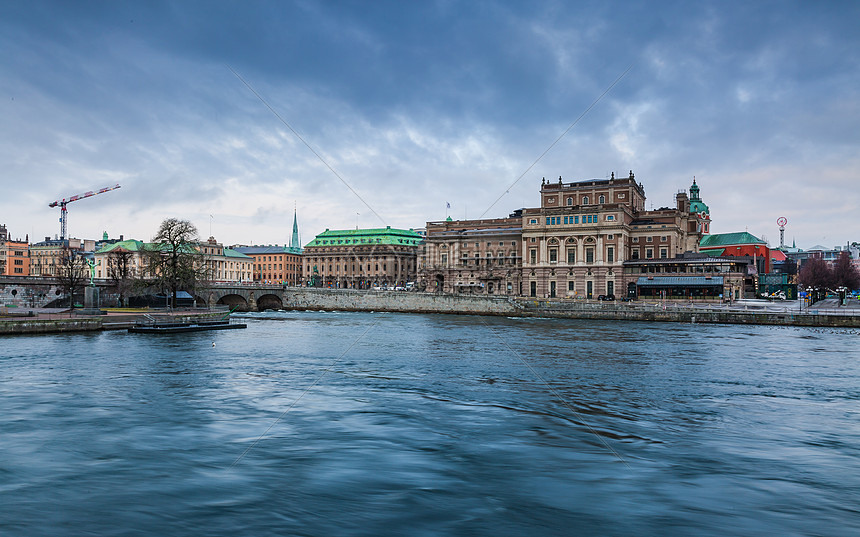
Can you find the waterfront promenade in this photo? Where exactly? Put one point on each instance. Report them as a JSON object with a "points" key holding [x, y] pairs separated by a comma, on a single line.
{"points": [[740, 312], [826, 313]]}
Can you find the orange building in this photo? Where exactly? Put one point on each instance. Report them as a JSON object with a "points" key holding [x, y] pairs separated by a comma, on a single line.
{"points": [[274, 264], [14, 255]]}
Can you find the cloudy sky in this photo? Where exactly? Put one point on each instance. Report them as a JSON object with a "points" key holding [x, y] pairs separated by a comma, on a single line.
{"points": [[417, 104]]}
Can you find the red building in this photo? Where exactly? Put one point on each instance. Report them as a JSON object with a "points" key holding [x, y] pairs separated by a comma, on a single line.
{"points": [[739, 245]]}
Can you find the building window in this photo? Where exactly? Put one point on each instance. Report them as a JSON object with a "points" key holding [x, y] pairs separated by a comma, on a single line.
{"points": [[649, 253], [444, 260], [589, 255], [571, 256], [569, 201], [610, 217], [610, 254], [649, 239], [601, 199], [532, 256], [635, 239], [553, 255], [533, 221], [585, 200], [664, 253], [663, 238], [570, 286]]}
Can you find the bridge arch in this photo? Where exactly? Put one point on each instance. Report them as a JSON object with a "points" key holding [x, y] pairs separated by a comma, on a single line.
{"points": [[234, 301], [269, 302]]}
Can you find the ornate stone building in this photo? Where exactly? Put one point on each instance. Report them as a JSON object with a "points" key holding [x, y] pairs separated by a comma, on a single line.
{"points": [[473, 256], [47, 256], [361, 258], [575, 243], [222, 264]]}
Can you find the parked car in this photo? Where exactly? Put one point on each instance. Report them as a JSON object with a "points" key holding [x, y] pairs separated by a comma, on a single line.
{"points": [[607, 298]]}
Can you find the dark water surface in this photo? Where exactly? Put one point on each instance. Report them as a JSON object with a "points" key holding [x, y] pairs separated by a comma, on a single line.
{"points": [[383, 424]]}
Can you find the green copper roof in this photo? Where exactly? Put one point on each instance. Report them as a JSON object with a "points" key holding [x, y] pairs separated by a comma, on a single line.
{"points": [[386, 235], [720, 240], [699, 207], [131, 245], [233, 253], [696, 203]]}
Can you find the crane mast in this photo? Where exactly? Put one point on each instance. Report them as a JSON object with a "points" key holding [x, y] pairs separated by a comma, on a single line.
{"points": [[63, 202]]}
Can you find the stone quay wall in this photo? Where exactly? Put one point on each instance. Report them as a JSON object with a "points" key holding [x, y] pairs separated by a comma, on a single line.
{"points": [[46, 326], [411, 302], [297, 298]]}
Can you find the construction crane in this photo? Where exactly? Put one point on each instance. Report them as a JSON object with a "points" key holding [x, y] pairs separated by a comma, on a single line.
{"points": [[63, 202]]}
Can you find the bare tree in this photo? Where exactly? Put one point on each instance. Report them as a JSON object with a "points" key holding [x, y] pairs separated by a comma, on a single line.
{"points": [[72, 274], [174, 261], [121, 272]]}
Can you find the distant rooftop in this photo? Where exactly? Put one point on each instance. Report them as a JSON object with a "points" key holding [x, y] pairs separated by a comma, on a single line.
{"points": [[720, 240], [387, 235], [267, 249]]}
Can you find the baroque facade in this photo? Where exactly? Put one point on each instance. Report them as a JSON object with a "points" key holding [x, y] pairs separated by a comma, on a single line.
{"points": [[473, 256], [575, 243]]}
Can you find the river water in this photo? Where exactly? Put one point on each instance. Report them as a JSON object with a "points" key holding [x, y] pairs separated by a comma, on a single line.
{"points": [[330, 424]]}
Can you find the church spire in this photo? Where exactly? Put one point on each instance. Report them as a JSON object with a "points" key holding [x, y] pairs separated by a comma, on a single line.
{"points": [[295, 242]]}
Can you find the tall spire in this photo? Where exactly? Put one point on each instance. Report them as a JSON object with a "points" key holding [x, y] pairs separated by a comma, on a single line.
{"points": [[295, 242]]}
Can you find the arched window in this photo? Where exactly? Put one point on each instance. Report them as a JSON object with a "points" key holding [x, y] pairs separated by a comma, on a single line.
{"points": [[602, 199], [585, 200], [570, 201]]}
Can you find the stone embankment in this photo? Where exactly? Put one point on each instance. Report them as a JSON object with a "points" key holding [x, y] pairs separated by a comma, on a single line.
{"points": [[409, 302], [54, 323]]}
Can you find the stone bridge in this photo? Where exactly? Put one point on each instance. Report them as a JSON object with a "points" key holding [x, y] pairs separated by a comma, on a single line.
{"points": [[243, 297], [36, 292]]}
